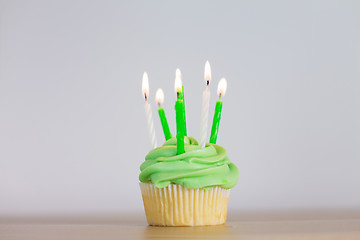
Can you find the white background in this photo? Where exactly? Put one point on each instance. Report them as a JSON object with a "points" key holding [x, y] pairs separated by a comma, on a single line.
{"points": [[72, 123]]}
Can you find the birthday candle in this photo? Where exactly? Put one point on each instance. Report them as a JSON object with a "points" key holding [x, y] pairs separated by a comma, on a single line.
{"points": [[182, 96], [179, 108], [205, 106], [160, 100], [148, 111], [217, 114]]}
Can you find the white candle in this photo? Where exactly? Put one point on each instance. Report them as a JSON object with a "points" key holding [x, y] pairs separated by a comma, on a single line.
{"points": [[205, 106], [150, 125], [148, 111]]}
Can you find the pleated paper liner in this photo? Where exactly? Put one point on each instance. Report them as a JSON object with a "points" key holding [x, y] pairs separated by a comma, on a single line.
{"points": [[176, 205]]}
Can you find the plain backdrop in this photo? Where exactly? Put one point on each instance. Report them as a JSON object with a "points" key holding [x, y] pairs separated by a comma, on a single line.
{"points": [[72, 122]]}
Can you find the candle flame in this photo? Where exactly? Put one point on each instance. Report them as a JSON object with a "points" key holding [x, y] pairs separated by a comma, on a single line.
{"points": [[207, 72], [145, 85], [178, 82], [178, 73], [222, 87], [159, 97]]}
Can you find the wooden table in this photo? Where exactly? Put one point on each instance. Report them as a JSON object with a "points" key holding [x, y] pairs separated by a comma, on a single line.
{"points": [[133, 226]]}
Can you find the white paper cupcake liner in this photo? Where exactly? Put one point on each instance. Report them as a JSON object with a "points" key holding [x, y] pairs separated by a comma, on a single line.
{"points": [[176, 205]]}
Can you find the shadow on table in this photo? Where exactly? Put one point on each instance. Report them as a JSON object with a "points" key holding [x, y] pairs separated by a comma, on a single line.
{"points": [[206, 232]]}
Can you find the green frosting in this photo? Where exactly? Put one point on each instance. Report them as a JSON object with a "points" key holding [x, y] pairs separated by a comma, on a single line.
{"points": [[196, 168]]}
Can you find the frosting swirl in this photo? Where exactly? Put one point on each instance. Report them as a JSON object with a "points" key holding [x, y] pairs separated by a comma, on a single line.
{"points": [[196, 168]]}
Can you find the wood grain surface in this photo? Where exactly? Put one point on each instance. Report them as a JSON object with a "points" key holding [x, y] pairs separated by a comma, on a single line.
{"points": [[133, 226]]}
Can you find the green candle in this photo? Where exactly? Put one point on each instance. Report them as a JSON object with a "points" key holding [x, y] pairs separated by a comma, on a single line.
{"points": [[217, 114], [216, 122], [180, 114], [159, 98], [164, 123], [182, 97], [179, 108]]}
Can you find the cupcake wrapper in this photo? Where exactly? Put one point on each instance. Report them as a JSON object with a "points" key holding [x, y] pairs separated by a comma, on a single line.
{"points": [[176, 205]]}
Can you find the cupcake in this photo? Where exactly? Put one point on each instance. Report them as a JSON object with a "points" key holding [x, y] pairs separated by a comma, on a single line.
{"points": [[184, 183], [190, 189]]}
